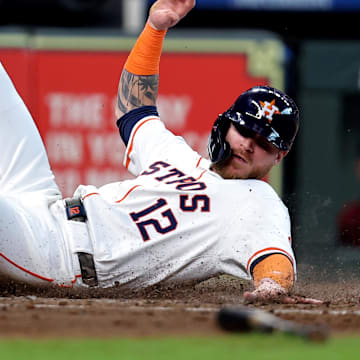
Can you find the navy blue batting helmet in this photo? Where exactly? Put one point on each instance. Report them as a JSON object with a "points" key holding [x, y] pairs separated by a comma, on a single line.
{"points": [[262, 109]]}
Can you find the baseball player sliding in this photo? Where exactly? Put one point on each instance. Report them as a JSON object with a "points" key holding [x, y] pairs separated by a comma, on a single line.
{"points": [[182, 218]]}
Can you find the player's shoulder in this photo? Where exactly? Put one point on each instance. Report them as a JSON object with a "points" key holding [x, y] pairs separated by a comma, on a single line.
{"points": [[254, 193], [252, 187], [261, 188]]}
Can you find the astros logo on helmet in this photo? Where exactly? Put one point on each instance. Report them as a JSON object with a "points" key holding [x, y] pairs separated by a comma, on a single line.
{"points": [[269, 109]]}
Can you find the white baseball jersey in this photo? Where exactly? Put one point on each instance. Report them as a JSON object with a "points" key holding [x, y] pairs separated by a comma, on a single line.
{"points": [[177, 220]]}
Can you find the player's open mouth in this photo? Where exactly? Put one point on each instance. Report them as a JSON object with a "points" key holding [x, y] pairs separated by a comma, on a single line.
{"points": [[239, 158]]}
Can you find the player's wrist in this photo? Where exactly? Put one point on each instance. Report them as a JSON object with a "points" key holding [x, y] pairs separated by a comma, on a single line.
{"points": [[144, 58], [276, 267], [153, 26], [268, 285], [157, 31]]}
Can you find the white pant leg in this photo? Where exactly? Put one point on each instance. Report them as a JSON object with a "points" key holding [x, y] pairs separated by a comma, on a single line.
{"points": [[32, 246], [24, 166]]}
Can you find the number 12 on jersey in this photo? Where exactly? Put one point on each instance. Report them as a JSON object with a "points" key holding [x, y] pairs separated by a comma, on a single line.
{"points": [[196, 202]]}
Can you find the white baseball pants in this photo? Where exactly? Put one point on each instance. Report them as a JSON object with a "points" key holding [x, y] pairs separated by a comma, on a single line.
{"points": [[32, 245]]}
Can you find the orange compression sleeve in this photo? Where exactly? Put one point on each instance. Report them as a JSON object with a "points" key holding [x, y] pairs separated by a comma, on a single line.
{"points": [[277, 267], [144, 58]]}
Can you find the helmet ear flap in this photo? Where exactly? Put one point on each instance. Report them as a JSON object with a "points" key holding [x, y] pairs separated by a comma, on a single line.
{"points": [[218, 148]]}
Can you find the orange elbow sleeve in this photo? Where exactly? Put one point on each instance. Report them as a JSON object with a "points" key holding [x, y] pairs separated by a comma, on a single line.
{"points": [[144, 58], [277, 267]]}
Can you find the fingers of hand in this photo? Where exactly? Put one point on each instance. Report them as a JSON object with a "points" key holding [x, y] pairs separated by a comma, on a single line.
{"points": [[304, 300], [249, 296], [262, 296], [163, 19], [167, 13], [253, 297]]}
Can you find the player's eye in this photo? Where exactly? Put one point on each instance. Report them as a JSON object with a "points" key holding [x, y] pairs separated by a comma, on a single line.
{"points": [[263, 143], [245, 132], [259, 140]]}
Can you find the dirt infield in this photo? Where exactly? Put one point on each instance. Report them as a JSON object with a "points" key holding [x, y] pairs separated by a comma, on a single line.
{"points": [[190, 309]]}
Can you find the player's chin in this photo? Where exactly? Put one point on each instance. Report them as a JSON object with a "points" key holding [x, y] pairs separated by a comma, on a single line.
{"points": [[237, 173], [248, 171], [232, 170], [241, 171]]}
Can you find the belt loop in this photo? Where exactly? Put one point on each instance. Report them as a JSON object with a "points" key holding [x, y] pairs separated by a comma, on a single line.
{"points": [[75, 209], [87, 267]]}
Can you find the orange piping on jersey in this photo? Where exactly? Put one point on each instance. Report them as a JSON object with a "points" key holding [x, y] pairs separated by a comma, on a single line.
{"points": [[201, 175], [198, 163], [269, 249], [123, 198], [23, 269], [90, 194], [132, 140]]}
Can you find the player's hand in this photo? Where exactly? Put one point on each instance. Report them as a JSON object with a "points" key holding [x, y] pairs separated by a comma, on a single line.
{"points": [[269, 291], [165, 14]]}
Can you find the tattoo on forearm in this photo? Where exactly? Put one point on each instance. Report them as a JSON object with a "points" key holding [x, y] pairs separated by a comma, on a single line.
{"points": [[136, 90]]}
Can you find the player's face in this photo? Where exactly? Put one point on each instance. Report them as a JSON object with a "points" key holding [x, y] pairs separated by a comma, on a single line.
{"points": [[252, 155]]}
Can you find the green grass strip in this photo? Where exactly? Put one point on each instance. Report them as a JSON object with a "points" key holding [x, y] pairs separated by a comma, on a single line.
{"points": [[252, 347]]}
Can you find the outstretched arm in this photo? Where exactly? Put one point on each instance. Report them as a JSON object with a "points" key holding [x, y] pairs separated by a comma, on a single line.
{"points": [[273, 279], [139, 81]]}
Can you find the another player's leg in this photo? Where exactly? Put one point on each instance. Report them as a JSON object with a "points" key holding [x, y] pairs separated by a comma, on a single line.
{"points": [[32, 248], [24, 166]]}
